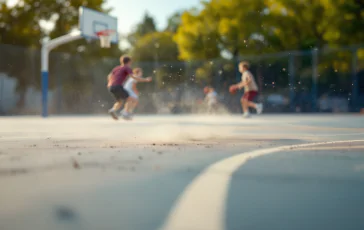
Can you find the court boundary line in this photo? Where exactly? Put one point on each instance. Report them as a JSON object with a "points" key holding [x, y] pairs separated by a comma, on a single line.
{"points": [[203, 201]]}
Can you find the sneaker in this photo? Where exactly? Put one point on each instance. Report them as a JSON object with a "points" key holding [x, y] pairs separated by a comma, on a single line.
{"points": [[259, 108], [246, 115], [125, 115], [113, 114]]}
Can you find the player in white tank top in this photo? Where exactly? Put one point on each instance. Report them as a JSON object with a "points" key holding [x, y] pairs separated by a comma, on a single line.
{"points": [[130, 87]]}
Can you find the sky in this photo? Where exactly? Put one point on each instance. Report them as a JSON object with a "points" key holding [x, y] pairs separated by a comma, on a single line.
{"points": [[130, 12]]}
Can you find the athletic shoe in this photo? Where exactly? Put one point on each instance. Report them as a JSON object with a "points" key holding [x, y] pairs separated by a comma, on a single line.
{"points": [[259, 108], [113, 114], [246, 115], [125, 115]]}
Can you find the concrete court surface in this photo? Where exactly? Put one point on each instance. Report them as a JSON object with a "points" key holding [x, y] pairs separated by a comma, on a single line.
{"points": [[182, 172]]}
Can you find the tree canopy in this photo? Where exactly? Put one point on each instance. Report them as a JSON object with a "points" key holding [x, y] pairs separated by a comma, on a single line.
{"points": [[24, 23], [152, 44], [146, 26], [252, 27], [231, 27]]}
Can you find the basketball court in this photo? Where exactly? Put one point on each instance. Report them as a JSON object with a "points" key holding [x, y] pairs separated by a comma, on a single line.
{"points": [[151, 173]]}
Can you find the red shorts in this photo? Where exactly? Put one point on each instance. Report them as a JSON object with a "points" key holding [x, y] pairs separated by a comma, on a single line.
{"points": [[250, 95]]}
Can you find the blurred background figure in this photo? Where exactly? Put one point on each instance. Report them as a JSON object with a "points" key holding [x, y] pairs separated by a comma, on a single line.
{"points": [[211, 100]]}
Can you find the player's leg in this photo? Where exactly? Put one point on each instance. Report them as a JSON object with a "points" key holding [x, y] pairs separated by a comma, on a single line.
{"points": [[245, 105], [127, 106], [209, 108], [213, 108], [125, 113], [130, 104], [117, 105], [127, 98], [116, 92], [216, 107], [134, 104], [257, 106], [115, 108], [252, 105]]}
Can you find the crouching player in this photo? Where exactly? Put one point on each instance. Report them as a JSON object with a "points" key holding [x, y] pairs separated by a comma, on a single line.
{"points": [[130, 87]]}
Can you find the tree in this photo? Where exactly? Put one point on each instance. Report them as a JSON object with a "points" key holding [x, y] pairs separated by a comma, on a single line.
{"points": [[152, 44], [146, 26], [20, 25], [239, 24], [242, 27], [197, 38], [233, 26], [173, 22], [349, 24], [306, 24]]}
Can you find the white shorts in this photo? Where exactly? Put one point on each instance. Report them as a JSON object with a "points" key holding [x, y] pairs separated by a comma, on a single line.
{"points": [[131, 93]]}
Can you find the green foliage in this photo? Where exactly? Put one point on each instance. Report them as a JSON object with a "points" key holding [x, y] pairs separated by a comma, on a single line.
{"points": [[146, 26], [19, 25], [173, 22], [242, 27], [197, 38], [155, 46], [221, 26]]}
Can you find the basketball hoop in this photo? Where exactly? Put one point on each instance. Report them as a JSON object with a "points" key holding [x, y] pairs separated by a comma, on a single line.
{"points": [[105, 37]]}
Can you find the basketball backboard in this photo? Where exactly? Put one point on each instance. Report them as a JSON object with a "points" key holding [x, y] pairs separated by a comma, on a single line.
{"points": [[92, 22]]}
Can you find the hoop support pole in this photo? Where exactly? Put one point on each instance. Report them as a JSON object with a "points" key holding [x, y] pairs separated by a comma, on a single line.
{"points": [[46, 48]]}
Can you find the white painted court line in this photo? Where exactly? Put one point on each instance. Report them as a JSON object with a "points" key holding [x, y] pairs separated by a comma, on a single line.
{"points": [[203, 202], [334, 135]]}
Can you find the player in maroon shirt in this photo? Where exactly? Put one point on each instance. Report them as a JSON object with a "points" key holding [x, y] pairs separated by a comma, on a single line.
{"points": [[116, 80]]}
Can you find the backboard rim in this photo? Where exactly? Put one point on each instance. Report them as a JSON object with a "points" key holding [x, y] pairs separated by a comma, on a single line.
{"points": [[95, 37]]}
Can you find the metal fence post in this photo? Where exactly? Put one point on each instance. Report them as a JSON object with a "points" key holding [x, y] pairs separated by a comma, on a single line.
{"points": [[314, 78], [236, 67], [156, 64], [291, 73], [1, 94], [59, 94], [354, 77]]}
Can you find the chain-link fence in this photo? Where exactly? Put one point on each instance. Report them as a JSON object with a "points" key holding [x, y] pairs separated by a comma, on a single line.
{"points": [[329, 80]]}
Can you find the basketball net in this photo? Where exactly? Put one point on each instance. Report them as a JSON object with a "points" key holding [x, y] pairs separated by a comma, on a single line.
{"points": [[105, 38]]}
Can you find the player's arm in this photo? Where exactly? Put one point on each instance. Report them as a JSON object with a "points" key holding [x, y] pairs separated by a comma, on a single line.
{"points": [[244, 82], [140, 79], [109, 78]]}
